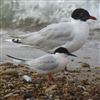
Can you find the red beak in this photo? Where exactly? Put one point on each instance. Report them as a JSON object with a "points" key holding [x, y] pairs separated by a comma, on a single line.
{"points": [[92, 17]]}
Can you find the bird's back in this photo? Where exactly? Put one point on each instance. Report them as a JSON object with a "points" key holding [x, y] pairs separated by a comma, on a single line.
{"points": [[43, 64], [52, 36]]}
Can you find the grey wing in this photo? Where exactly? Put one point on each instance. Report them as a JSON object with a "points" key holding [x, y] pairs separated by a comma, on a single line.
{"points": [[57, 30], [47, 64], [55, 35], [59, 33]]}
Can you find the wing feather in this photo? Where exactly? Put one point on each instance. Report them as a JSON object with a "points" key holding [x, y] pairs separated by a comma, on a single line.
{"points": [[45, 63], [48, 63]]}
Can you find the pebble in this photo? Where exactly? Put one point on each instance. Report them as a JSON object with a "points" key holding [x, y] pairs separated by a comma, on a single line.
{"points": [[50, 88], [84, 65], [8, 95], [26, 78], [85, 82], [27, 96], [86, 93], [11, 86], [97, 67]]}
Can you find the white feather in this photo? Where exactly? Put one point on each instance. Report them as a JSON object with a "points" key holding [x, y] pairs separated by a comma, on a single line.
{"points": [[71, 35]]}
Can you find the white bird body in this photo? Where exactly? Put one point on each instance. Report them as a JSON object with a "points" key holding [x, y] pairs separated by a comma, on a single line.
{"points": [[71, 35], [49, 63]]}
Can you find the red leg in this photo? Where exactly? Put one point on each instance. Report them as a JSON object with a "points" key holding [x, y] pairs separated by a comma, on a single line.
{"points": [[50, 77], [66, 68]]}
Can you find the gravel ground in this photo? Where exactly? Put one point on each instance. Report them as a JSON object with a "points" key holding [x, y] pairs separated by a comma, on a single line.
{"points": [[80, 84]]}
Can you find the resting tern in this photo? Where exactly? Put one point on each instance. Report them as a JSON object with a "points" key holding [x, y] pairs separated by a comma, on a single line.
{"points": [[71, 35], [48, 63]]}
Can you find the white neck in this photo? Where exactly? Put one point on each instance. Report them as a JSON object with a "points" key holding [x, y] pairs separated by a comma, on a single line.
{"points": [[81, 32], [77, 21], [62, 55]]}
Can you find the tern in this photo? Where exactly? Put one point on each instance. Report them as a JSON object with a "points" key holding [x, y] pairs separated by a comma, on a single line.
{"points": [[71, 35], [49, 63]]}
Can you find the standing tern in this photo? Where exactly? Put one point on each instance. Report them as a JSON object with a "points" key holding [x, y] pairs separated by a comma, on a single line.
{"points": [[71, 35], [48, 63]]}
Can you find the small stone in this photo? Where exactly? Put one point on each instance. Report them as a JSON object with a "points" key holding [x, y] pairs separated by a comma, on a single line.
{"points": [[12, 72], [81, 87], [11, 86], [48, 97], [84, 65], [89, 70], [27, 96], [85, 82], [86, 94], [97, 67], [26, 78], [50, 88], [8, 95]]}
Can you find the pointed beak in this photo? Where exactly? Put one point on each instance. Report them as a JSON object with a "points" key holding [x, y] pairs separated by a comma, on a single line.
{"points": [[72, 55], [92, 17]]}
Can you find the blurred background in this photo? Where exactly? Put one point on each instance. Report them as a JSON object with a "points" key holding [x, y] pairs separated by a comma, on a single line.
{"points": [[30, 13]]}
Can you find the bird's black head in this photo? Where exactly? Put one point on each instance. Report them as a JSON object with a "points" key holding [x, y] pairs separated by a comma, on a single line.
{"points": [[82, 14], [63, 50]]}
